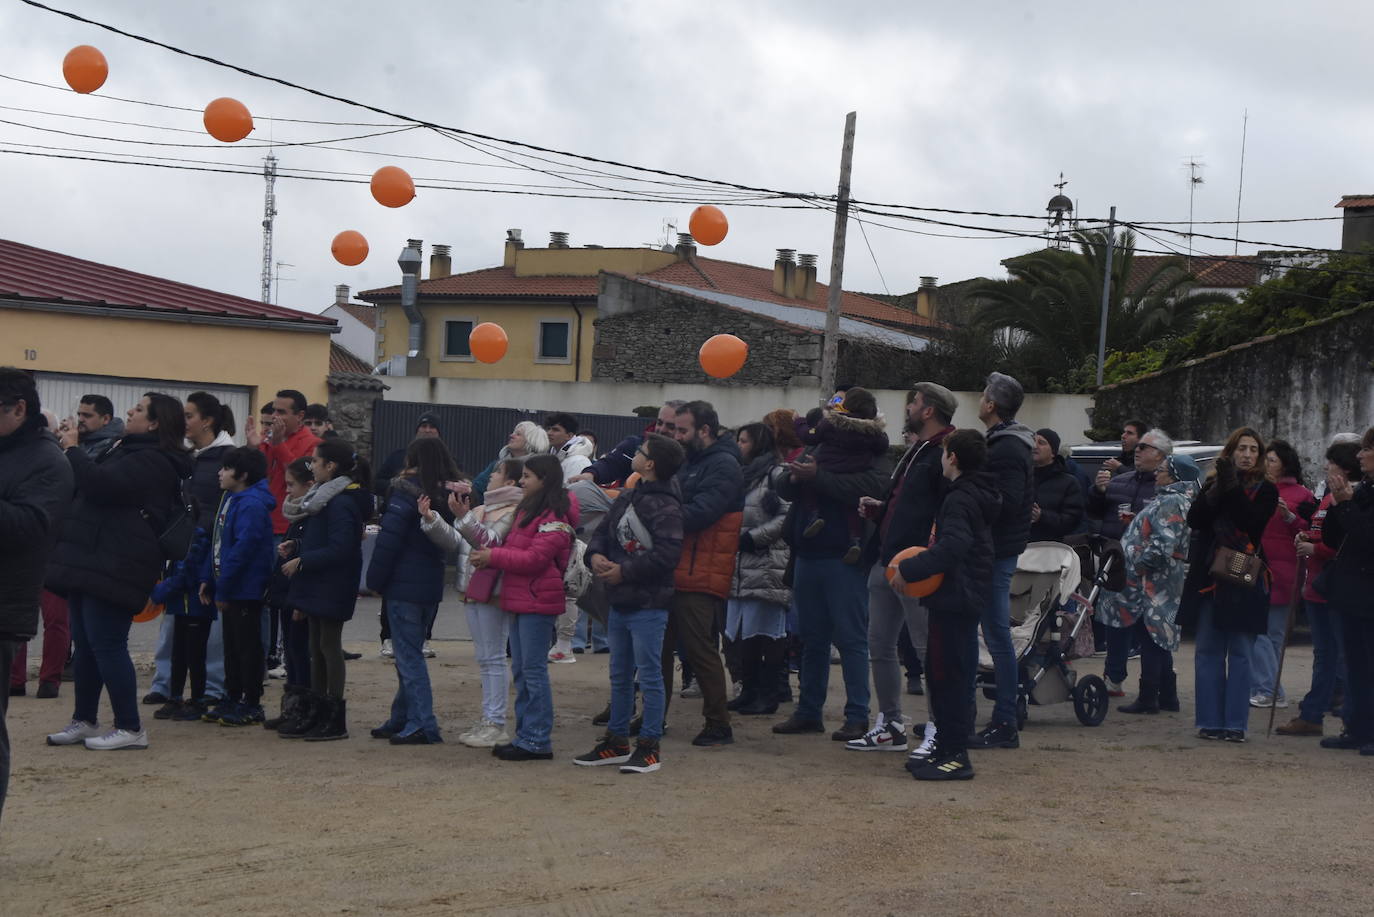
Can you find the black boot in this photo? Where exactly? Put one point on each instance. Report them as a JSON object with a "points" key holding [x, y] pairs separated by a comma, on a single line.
{"points": [[1147, 701], [772, 672], [332, 723], [290, 702], [1168, 691], [749, 669], [304, 718], [604, 717]]}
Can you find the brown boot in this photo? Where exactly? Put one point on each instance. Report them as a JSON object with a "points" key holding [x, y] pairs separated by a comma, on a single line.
{"points": [[1298, 726]]}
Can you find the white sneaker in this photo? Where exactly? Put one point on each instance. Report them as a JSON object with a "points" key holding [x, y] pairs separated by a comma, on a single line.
{"points": [[117, 739], [884, 736], [692, 690], [736, 690], [427, 651], [485, 736], [557, 655], [478, 724], [76, 732], [386, 652], [278, 672], [926, 749]]}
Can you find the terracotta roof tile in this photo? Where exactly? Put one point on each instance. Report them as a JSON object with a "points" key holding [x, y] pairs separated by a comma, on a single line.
{"points": [[362, 312], [342, 360], [1356, 200], [495, 281], [1224, 271], [36, 273]]}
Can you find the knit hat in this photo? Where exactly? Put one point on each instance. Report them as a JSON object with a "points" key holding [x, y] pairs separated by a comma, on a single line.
{"points": [[1051, 437], [1183, 468], [428, 418]]}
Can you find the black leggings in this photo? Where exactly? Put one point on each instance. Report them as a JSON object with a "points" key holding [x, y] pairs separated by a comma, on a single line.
{"points": [[951, 657], [1155, 662], [243, 657], [297, 650], [326, 656], [190, 635]]}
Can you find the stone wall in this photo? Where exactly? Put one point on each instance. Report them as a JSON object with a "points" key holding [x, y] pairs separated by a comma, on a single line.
{"points": [[351, 400], [648, 334], [1302, 385]]}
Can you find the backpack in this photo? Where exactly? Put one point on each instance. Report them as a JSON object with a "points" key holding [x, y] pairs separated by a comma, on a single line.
{"points": [[577, 577]]}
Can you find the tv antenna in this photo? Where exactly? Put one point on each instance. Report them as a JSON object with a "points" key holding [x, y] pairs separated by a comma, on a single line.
{"points": [[277, 294], [1194, 167]]}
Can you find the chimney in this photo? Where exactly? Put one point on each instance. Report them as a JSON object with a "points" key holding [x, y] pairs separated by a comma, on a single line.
{"points": [[513, 244], [1357, 229], [686, 246], [415, 362], [806, 277], [558, 240], [925, 298], [785, 272], [440, 264], [341, 294]]}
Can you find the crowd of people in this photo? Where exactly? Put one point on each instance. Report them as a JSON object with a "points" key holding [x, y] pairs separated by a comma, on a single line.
{"points": [[737, 556]]}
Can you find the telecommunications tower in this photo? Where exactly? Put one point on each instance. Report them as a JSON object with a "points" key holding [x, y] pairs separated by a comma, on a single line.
{"points": [[269, 211]]}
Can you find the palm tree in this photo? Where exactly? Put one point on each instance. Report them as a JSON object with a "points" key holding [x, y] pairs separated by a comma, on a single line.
{"points": [[1053, 303]]}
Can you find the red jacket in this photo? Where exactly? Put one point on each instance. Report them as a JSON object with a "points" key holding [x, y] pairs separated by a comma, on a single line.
{"points": [[279, 455], [1321, 555], [533, 558], [1279, 552]]}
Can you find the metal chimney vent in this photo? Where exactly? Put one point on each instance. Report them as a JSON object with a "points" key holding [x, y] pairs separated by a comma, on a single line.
{"points": [[558, 240], [787, 255], [806, 260], [512, 235]]}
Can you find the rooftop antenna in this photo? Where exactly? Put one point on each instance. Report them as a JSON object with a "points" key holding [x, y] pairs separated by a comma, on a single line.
{"points": [[269, 211], [1195, 167], [1240, 186], [667, 242], [280, 265]]}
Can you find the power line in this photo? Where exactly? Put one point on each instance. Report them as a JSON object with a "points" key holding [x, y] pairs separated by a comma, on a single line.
{"points": [[205, 146]]}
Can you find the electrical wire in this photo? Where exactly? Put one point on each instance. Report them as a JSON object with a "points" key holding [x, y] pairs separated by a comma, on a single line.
{"points": [[207, 146]]}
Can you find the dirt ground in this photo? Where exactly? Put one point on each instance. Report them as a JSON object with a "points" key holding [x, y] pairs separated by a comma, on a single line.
{"points": [[1134, 817]]}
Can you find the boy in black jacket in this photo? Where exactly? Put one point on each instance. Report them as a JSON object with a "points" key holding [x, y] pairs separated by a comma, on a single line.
{"points": [[962, 551], [635, 553]]}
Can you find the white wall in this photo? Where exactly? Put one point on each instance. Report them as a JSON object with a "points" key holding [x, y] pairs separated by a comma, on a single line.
{"points": [[1066, 414], [354, 336]]}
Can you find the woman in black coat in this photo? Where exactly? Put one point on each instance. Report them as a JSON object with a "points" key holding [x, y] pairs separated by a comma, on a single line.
{"points": [[1231, 512], [108, 559], [1059, 503]]}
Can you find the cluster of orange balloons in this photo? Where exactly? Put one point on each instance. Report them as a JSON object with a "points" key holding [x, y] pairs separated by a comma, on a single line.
{"points": [[723, 355]]}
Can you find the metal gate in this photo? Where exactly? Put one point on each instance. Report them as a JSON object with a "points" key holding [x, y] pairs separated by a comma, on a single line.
{"points": [[476, 434], [61, 392]]}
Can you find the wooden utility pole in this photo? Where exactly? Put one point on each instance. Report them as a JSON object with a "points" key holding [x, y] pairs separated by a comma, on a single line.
{"points": [[1106, 295], [830, 350]]}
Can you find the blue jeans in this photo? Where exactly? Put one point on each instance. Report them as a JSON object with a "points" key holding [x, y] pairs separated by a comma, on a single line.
{"points": [[996, 624], [636, 641], [531, 635], [1264, 662], [832, 607], [100, 631], [412, 710], [214, 659], [1328, 660], [590, 634], [1221, 666]]}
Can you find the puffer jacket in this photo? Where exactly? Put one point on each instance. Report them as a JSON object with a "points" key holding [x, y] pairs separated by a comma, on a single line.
{"points": [[532, 560], [575, 456], [238, 565], [35, 493], [762, 563], [109, 542], [406, 566], [331, 554], [712, 486], [910, 501], [1130, 486], [484, 526], [1009, 461], [962, 549], [205, 467], [1349, 529], [1060, 499], [646, 570], [1279, 551]]}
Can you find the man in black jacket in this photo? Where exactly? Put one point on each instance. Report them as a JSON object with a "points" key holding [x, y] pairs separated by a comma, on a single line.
{"points": [[97, 426], [1009, 460], [35, 490], [902, 519]]}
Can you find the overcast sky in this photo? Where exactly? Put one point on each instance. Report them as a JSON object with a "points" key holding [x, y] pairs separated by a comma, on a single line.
{"points": [[975, 108]]}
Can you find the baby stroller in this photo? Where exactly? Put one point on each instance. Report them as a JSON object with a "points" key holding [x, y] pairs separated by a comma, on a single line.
{"points": [[1051, 626]]}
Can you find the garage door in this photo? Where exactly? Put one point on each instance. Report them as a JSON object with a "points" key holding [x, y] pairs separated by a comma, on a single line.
{"points": [[61, 392]]}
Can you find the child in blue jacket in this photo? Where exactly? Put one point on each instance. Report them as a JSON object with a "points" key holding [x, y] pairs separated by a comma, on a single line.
{"points": [[179, 594], [234, 574]]}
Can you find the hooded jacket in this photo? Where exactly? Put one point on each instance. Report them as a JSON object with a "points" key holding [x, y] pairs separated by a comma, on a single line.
{"points": [[962, 548], [1060, 499], [712, 485], [483, 526], [844, 444], [331, 551], [35, 493], [99, 442], [533, 558], [1130, 486], [406, 565], [614, 466], [205, 479], [109, 542], [238, 565], [761, 567], [575, 455], [646, 570], [1009, 461], [179, 590], [910, 502]]}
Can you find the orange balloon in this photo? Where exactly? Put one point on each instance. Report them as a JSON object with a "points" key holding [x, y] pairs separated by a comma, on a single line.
{"points": [[921, 588], [488, 342], [723, 355], [149, 612], [228, 120], [708, 225], [392, 186], [85, 68], [349, 247]]}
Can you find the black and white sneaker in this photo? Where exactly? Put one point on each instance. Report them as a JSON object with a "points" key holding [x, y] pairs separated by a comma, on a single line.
{"points": [[923, 754], [884, 736], [612, 749], [645, 759], [946, 767]]}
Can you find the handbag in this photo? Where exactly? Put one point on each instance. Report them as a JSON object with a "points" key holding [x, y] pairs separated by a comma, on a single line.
{"points": [[1237, 568], [176, 536]]}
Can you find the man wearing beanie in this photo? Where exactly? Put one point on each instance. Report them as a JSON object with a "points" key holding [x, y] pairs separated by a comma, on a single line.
{"points": [[1058, 506], [427, 425]]}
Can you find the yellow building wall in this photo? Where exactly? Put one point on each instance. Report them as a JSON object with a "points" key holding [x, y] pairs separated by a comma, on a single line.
{"points": [[588, 262], [267, 360], [521, 323]]}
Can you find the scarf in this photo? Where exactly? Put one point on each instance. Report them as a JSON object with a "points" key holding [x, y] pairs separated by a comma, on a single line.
{"points": [[499, 497], [317, 498]]}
